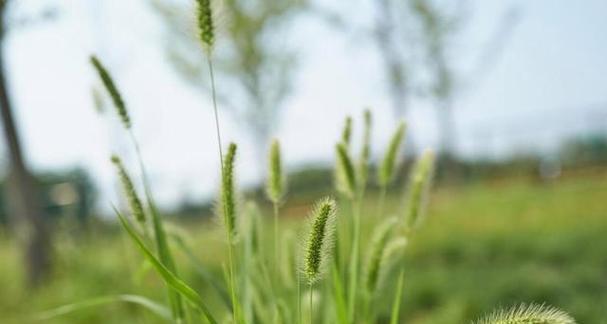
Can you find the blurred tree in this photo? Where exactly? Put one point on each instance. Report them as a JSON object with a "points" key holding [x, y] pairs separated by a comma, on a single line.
{"points": [[26, 210], [440, 25], [255, 69], [394, 53]]}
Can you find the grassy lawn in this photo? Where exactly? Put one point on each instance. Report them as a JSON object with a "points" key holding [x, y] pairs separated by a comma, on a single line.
{"points": [[483, 245]]}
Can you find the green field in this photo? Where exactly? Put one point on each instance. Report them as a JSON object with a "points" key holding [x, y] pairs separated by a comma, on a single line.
{"points": [[484, 245]]}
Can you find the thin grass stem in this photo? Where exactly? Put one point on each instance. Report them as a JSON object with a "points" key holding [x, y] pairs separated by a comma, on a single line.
{"points": [[311, 306], [354, 260]]}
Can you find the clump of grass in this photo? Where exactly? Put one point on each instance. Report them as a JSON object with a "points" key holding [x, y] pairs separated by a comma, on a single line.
{"points": [[528, 314], [256, 288]]}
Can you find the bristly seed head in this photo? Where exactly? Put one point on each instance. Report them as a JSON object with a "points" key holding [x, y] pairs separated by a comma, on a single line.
{"points": [[346, 133], [129, 190], [387, 169], [344, 172], [111, 88], [318, 244], [528, 314], [275, 186], [228, 192], [419, 185], [206, 29], [379, 241], [365, 153]]}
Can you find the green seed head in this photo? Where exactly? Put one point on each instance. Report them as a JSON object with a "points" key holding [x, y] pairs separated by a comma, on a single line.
{"points": [[391, 261], [419, 185], [365, 153], [387, 169], [129, 190], [528, 314], [111, 88], [206, 29], [345, 176], [275, 186], [346, 133], [318, 245], [228, 192]]}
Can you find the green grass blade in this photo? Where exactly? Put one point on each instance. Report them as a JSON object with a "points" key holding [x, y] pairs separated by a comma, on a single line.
{"points": [[205, 274], [165, 256], [146, 303], [397, 299], [340, 301], [170, 279]]}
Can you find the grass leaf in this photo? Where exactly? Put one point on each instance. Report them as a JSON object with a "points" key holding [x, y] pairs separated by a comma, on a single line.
{"points": [[146, 303], [169, 278]]}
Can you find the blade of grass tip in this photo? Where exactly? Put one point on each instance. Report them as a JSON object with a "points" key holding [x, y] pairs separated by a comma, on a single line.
{"points": [[146, 303], [169, 278], [397, 298]]}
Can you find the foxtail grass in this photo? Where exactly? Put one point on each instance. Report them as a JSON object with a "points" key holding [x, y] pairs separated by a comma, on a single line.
{"points": [[110, 86], [419, 186], [365, 152], [528, 314], [164, 253], [318, 245], [228, 213], [129, 191], [388, 165], [346, 133], [345, 177], [275, 189]]}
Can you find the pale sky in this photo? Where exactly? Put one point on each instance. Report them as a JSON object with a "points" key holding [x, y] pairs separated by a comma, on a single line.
{"points": [[548, 84]]}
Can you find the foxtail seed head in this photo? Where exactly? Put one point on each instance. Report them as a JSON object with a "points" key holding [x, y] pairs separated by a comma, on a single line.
{"points": [[129, 190], [345, 174], [391, 259], [318, 245], [419, 185], [206, 28], [346, 133], [228, 192], [365, 153], [386, 171], [379, 241], [111, 88], [275, 187], [528, 314]]}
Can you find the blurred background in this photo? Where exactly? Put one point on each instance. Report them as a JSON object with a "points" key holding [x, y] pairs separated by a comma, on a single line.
{"points": [[512, 94]]}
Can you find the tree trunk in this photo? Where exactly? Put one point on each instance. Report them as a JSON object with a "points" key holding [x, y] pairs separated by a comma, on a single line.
{"points": [[25, 209]]}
